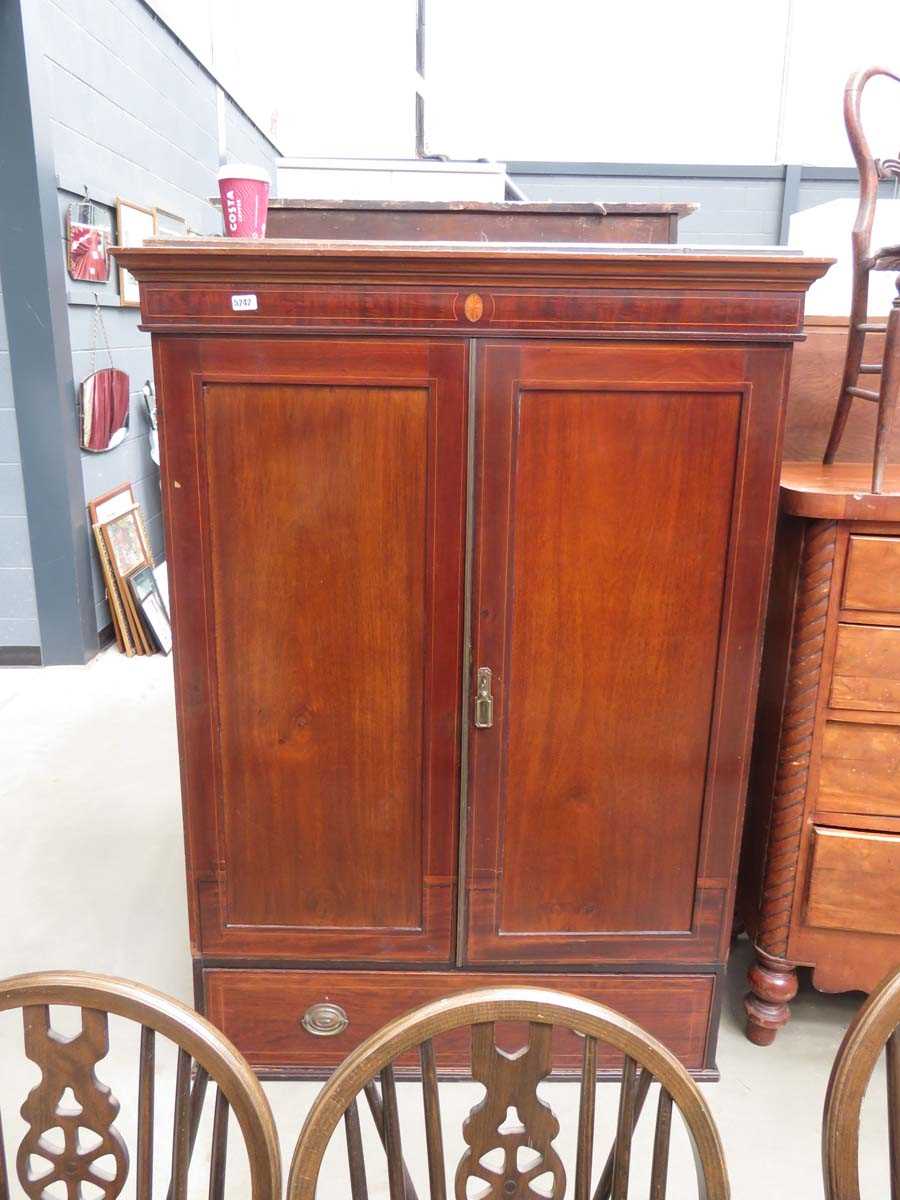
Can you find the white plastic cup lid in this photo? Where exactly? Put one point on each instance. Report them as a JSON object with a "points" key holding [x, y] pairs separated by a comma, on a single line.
{"points": [[238, 170]]}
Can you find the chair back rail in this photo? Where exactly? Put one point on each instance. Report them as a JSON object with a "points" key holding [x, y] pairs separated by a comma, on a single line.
{"points": [[505, 1157], [872, 171], [86, 1133]]}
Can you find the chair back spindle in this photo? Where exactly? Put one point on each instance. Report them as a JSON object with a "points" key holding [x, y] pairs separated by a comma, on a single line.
{"points": [[146, 1090], [587, 1104], [434, 1141]]}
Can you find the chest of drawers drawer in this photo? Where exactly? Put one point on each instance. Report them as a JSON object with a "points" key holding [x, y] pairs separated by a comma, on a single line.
{"points": [[866, 673], [872, 576], [854, 881]]}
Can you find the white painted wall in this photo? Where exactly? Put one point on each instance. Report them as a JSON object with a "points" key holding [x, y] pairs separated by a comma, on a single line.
{"points": [[322, 79], [582, 81], [829, 39], [579, 80]]}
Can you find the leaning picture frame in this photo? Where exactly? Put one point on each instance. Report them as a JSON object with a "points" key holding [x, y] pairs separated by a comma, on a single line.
{"points": [[134, 225], [107, 507], [111, 504], [126, 543], [127, 550], [149, 604]]}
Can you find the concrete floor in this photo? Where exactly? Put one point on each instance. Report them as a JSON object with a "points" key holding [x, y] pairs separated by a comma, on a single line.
{"points": [[92, 877]]}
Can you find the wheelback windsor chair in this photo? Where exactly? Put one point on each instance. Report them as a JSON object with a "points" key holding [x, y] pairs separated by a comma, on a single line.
{"points": [[875, 1028], [72, 1147], [510, 1156], [872, 171]]}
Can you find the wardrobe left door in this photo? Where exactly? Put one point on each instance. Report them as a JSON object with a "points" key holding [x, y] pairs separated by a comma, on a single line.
{"points": [[315, 508]]}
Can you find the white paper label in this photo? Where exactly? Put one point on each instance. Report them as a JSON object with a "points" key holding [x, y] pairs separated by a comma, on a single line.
{"points": [[244, 303]]}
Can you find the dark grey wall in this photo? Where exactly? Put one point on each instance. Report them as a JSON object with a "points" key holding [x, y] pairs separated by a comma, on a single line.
{"points": [[739, 211], [133, 115], [18, 607]]}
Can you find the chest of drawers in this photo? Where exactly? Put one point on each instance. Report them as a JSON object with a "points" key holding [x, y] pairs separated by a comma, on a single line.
{"points": [[820, 877]]}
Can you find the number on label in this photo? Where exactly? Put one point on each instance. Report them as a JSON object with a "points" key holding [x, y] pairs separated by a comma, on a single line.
{"points": [[244, 303]]}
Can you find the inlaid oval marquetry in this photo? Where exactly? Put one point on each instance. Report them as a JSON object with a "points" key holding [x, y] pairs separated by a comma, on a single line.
{"points": [[474, 307]]}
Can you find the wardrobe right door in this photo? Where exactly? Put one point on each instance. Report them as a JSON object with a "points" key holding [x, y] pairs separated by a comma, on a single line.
{"points": [[624, 496]]}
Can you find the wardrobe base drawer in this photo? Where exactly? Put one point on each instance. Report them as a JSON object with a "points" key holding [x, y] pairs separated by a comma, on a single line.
{"points": [[263, 1013]]}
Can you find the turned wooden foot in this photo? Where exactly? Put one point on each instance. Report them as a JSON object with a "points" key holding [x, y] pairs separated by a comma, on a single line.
{"points": [[773, 984]]}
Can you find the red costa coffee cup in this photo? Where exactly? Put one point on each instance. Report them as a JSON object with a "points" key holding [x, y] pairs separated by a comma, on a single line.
{"points": [[244, 192]]}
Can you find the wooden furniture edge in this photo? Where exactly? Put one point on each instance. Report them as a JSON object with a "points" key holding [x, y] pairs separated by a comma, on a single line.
{"points": [[596, 208], [838, 492], [280, 257], [772, 977]]}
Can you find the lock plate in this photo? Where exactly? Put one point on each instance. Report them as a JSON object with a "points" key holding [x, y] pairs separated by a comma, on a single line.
{"points": [[484, 700]]}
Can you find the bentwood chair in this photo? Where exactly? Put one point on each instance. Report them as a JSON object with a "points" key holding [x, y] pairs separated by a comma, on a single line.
{"points": [[873, 1030], [872, 171], [510, 1155], [73, 1147]]}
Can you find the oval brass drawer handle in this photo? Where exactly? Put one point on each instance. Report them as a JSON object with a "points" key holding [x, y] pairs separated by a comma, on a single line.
{"points": [[324, 1019]]}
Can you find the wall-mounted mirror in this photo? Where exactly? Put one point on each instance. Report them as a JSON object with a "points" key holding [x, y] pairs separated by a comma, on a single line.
{"points": [[103, 410]]}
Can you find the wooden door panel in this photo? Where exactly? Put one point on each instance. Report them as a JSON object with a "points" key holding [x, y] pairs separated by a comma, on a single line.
{"points": [[601, 588], [319, 588], [608, 635], [331, 492]]}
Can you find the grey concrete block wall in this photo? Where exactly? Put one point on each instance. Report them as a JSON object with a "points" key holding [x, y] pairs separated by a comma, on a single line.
{"points": [[18, 607], [134, 115], [734, 210]]}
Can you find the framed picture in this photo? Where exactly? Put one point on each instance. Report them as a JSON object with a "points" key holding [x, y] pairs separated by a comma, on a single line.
{"points": [[149, 604], [118, 612], [125, 543], [87, 241], [170, 225], [134, 224], [111, 504], [123, 547]]}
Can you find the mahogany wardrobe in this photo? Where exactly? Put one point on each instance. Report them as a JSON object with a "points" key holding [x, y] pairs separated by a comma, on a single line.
{"points": [[468, 546]]}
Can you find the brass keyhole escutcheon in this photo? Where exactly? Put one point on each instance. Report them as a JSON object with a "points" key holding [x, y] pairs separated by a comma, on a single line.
{"points": [[474, 307], [484, 700]]}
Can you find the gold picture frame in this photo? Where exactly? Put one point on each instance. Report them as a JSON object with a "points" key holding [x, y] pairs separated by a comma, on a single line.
{"points": [[125, 543], [127, 550], [134, 224], [104, 510]]}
